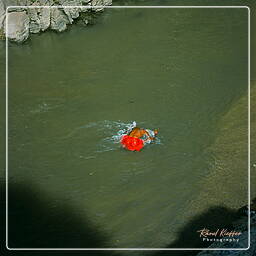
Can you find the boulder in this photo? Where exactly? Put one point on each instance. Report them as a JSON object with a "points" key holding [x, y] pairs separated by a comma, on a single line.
{"points": [[59, 20], [85, 3], [22, 21], [72, 13], [100, 3], [45, 18], [40, 18], [8, 3], [46, 2], [2, 14], [34, 24], [107, 2], [17, 28]]}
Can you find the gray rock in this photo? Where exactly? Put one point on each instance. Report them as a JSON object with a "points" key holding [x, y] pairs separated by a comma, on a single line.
{"points": [[2, 14], [34, 24], [87, 4], [40, 18], [23, 21], [45, 18], [107, 2], [59, 20], [100, 3], [46, 2], [9, 3], [17, 28], [72, 13]]}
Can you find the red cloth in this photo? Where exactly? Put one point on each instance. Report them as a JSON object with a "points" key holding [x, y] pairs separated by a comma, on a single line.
{"points": [[132, 143]]}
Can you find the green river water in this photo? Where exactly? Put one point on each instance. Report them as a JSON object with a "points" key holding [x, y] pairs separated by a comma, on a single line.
{"points": [[71, 184]]}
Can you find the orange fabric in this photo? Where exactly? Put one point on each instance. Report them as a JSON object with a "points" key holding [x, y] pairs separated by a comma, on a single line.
{"points": [[132, 143]]}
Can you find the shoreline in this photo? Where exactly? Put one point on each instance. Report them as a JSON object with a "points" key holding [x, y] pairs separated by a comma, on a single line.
{"points": [[25, 21], [241, 221]]}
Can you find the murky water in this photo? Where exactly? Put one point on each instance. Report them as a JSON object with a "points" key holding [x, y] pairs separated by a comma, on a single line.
{"points": [[70, 95]]}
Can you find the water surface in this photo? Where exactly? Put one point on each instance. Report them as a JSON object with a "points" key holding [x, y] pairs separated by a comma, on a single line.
{"points": [[178, 70]]}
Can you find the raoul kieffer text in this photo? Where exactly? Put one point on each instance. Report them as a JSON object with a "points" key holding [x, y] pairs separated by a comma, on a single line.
{"points": [[218, 233]]}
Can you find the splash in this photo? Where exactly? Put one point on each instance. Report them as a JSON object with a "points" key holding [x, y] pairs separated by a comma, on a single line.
{"points": [[118, 129], [111, 131], [125, 129]]}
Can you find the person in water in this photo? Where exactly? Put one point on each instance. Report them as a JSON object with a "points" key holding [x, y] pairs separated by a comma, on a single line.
{"points": [[144, 134], [137, 138]]}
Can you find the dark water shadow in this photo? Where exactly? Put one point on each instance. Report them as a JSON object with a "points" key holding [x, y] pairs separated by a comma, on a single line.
{"points": [[34, 223], [212, 219]]}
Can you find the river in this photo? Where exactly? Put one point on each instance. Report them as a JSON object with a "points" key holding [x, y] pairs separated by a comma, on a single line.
{"points": [[70, 94]]}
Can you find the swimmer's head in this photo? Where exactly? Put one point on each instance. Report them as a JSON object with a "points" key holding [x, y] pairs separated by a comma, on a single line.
{"points": [[155, 131]]}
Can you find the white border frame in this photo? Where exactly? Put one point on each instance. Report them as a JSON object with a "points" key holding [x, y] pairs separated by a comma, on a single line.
{"points": [[131, 249]]}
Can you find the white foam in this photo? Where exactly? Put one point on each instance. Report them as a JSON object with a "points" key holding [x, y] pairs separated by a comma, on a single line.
{"points": [[117, 128], [112, 132]]}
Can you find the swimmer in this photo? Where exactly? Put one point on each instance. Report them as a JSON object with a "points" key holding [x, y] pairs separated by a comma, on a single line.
{"points": [[137, 138], [146, 135]]}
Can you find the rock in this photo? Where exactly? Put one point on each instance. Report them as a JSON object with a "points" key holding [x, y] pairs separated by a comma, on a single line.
{"points": [[46, 2], [23, 21], [34, 25], [100, 3], [45, 18], [8, 3], [59, 20], [107, 2], [2, 14], [72, 13], [85, 3], [40, 18], [18, 26]]}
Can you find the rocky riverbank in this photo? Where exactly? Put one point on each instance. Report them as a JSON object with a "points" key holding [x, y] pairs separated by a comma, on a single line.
{"points": [[24, 21], [232, 118], [241, 225]]}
